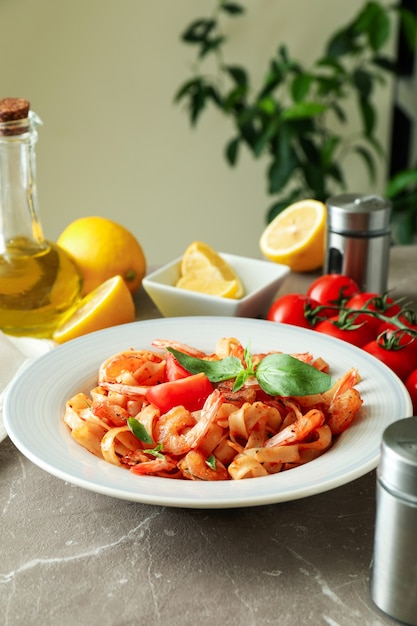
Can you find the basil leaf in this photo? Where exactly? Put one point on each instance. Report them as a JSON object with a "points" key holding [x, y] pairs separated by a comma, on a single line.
{"points": [[241, 378], [216, 371], [211, 462], [156, 452], [284, 375], [139, 430]]}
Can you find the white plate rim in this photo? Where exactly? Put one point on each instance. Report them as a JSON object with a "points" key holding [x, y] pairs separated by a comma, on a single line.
{"points": [[34, 404]]}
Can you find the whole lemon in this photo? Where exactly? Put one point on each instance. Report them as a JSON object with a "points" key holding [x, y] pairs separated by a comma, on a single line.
{"points": [[102, 249]]}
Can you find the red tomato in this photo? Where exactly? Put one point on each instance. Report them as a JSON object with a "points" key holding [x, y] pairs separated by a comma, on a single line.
{"points": [[411, 384], [402, 360], [292, 309], [190, 392], [174, 370], [357, 336], [403, 338], [373, 302], [332, 289]]}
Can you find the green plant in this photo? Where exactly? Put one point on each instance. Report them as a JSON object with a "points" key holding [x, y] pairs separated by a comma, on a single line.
{"points": [[402, 191], [291, 120]]}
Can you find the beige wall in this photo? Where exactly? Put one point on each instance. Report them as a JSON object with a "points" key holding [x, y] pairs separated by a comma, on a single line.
{"points": [[102, 75]]}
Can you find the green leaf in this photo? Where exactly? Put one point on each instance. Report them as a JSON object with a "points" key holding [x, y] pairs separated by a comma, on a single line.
{"points": [[342, 43], [211, 44], [265, 137], [156, 452], [284, 164], [368, 115], [408, 26], [232, 151], [211, 462], [198, 30], [339, 112], [401, 182], [363, 82], [273, 78], [238, 74], [284, 375], [277, 374], [189, 87], [216, 371], [241, 379], [232, 8], [374, 22], [139, 430], [304, 109], [385, 63], [329, 147], [300, 86], [267, 105]]}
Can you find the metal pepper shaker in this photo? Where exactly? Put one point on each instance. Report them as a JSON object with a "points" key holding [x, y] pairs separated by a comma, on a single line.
{"points": [[358, 239], [394, 565]]}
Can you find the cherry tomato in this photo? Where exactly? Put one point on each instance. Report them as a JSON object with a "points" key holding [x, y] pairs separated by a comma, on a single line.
{"points": [[411, 384], [373, 302], [332, 289], [190, 392], [357, 336], [403, 338], [402, 360], [174, 370], [292, 309]]}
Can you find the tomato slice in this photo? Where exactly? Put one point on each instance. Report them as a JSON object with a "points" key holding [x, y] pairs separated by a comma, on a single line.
{"points": [[190, 392], [174, 370]]}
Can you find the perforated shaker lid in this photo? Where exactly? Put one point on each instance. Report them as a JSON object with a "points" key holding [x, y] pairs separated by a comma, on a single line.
{"points": [[358, 213], [398, 466]]}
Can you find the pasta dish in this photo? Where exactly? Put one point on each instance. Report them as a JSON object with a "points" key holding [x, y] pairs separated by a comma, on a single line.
{"points": [[177, 412]]}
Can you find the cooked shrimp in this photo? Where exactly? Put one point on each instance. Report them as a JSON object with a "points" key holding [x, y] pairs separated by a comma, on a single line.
{"points": [[154, 466], [171, 429], [229, 346], [181, 347], [133, 367], [178, 430], [344, 402], [112, 414], [343, 410], [132, 391], [194, 466], [299, 429]]}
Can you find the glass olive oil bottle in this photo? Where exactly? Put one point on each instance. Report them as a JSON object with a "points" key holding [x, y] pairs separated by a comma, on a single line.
{"points": [[39, 282]]}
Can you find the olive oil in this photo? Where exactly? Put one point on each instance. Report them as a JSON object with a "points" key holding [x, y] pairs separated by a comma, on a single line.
{"points": [[39, 282], [37, 289]]}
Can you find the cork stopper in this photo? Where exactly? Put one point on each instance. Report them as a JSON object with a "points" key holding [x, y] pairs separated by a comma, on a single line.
{"points": [[12, 112]]}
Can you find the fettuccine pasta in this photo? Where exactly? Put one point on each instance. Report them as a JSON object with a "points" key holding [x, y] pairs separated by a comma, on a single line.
{"points": [[148, 415]]}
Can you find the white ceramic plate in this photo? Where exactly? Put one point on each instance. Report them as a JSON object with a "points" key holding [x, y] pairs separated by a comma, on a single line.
{"points": [[34, 406]]}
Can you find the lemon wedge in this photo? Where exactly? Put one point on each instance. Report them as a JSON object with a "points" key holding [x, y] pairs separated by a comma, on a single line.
{"points": [[210, 286], [110, 304], [296, 236], [204, 270]]}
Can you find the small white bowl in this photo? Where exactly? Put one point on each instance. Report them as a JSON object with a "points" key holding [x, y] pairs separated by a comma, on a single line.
{"points": [[260, 279]]}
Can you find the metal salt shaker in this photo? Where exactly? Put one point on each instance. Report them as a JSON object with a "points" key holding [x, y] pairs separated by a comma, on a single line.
{"points": [[394, 566], [358, 239]]}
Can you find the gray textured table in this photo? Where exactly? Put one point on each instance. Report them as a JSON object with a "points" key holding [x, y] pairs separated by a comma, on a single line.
{"points": [[72, 557]]}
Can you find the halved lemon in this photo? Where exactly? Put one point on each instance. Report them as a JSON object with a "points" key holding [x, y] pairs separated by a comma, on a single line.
{"points": [[200, 261], [110, 304], [296, 236]]}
